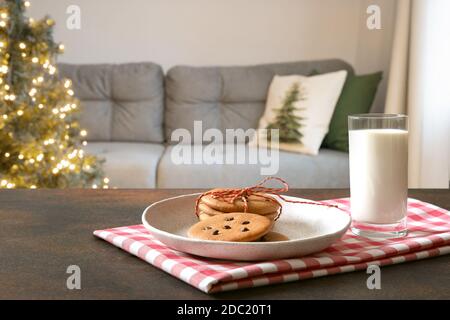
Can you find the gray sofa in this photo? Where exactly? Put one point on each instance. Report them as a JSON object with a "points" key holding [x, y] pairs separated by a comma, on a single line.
{"points": [[131, 110]]}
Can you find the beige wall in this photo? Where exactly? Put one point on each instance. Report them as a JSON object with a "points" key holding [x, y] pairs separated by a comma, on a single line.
{"points": [[223, 32]]}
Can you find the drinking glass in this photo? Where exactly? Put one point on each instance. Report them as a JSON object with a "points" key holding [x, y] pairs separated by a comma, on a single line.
{"points": [[378, 151]]}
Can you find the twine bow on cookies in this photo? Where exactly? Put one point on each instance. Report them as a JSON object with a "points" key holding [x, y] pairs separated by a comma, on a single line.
{"points": [[258, 190]]}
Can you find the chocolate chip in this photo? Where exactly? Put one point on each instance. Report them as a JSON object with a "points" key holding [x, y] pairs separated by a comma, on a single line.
{"points": [[229, 219], [215, 232], [207, 228], [245, 229], [245, 222], [226, 227]]}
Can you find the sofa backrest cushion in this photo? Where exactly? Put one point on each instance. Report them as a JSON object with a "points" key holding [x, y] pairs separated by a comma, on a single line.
{"points": [[123, 102], [228, 97]]}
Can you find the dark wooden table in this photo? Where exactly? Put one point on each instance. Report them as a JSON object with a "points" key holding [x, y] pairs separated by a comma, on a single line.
{"points": [[42, 232]]}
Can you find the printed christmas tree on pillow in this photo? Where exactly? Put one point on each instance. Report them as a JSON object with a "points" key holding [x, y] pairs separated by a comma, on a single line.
{"points": [[286, 120]]}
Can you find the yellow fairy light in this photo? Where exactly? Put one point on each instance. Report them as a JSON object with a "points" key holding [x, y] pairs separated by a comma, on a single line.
{"points": [[94, 186], [33, 187], [62, 115], [3, 15], [22, 45], [106, 180], [4, 70], [61, 47], [20, 112], [10, 185], [35, 59], [21, 156], [72, 167], [55, 170], [67, 84], [2, 44], [40, 106], [70, 92], [32, 92], [2, 24], [83, 133], [7, 154], [40, 157], [55, 111], [4, 183], [12, 97], [84, 143], [27, 4], [31, 160], [24, 55], [5, 116]]}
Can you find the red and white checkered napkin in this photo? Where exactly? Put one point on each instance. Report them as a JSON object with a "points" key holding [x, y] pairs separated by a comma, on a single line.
{"points": [[429, 236]]}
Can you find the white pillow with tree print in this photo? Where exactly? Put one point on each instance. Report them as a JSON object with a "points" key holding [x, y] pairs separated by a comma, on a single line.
{"points": [[300, 108]]}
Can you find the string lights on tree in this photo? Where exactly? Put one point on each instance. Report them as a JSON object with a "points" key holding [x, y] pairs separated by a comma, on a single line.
{"points": [[40, 138]]}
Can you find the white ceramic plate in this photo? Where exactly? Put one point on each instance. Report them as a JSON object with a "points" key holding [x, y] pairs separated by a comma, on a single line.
{"points": [[310, 228]]}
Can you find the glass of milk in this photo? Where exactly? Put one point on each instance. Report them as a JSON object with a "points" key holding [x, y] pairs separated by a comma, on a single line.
{"points": [[378, 147]]}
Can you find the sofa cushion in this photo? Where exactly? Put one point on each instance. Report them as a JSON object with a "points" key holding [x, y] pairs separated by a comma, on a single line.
{"points": [[122, 102], [329, 169], [228, 97], [128, 165]]}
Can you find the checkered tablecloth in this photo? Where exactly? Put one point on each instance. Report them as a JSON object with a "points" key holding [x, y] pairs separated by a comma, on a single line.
{"points": [[429, 236]]}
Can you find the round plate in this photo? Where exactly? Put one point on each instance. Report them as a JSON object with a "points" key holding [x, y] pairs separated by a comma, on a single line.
{"points": [[310, 229]]}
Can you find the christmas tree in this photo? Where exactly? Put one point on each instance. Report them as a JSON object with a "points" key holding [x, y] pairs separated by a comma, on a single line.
{"points": [[286, 121], [40, 138]]}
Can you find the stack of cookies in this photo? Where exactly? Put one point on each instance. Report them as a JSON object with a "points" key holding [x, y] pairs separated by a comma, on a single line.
{"points": [[260, 204], [237, 220]]}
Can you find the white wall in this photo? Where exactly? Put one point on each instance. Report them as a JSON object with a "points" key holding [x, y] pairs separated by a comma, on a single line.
{"points": [[223, 32]]}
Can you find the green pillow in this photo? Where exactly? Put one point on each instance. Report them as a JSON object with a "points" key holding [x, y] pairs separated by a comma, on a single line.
{"points": [[356, 97]]}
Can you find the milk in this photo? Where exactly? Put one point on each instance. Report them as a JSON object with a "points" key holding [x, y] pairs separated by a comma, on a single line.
{"points": [[378, 175]]}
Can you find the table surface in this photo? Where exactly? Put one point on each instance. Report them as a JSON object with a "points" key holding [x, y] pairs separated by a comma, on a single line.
{"points": [[42, 232]]}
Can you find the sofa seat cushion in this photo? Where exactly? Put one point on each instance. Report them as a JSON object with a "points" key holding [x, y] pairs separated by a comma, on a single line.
{"points": [[128, 165], [329, 169]]}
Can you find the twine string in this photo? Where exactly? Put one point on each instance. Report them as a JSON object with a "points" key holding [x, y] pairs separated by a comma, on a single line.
{"points": [[258, 190]]}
